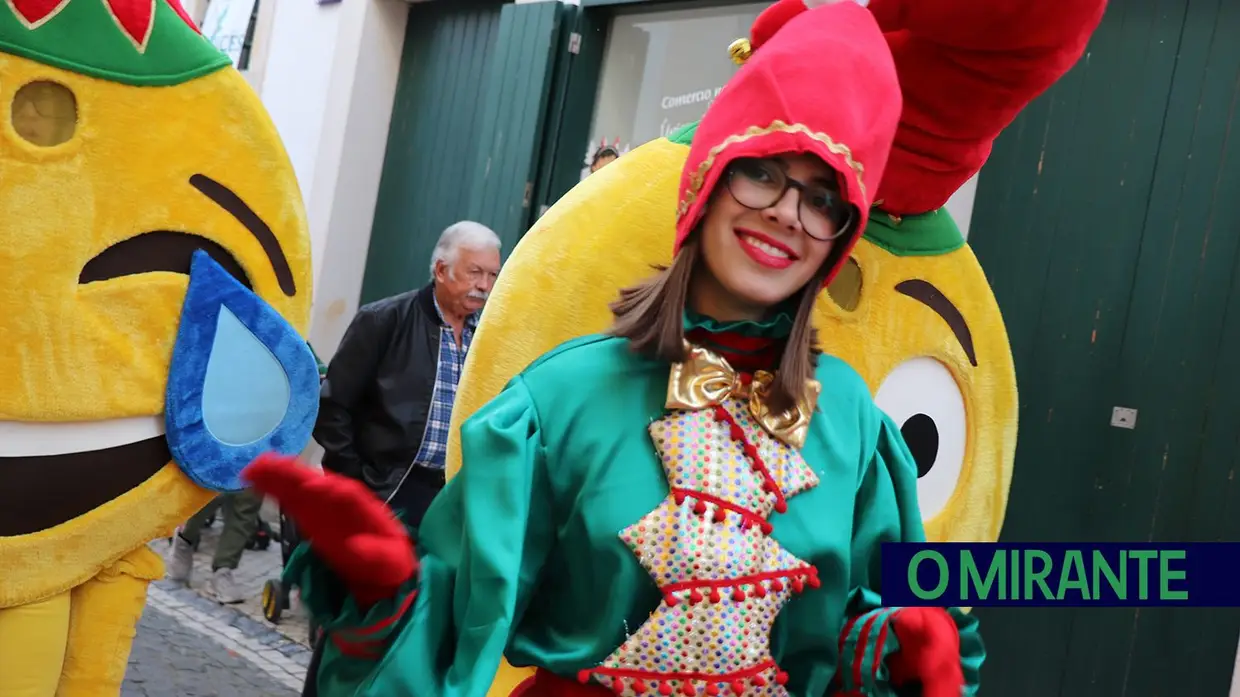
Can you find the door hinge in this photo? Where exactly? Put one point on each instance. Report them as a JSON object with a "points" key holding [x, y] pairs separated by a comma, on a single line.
{"points": [[574, 43]]}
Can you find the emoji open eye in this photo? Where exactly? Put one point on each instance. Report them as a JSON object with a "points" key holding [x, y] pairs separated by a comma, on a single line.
{"points": [[923, 398]]}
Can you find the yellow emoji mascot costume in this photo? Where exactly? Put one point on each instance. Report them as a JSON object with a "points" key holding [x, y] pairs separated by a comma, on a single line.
{"points": [[154, 287], [912, 312]]}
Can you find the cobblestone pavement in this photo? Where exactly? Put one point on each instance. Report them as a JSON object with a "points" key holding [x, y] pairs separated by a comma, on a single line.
{"points": [[190, 646], [257, 567]]}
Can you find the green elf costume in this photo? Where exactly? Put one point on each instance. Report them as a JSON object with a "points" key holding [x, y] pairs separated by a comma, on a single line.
{"points": [[632, 527]]}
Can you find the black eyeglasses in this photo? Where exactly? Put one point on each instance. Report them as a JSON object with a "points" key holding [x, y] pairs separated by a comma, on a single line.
{"points": [[759, 184]]}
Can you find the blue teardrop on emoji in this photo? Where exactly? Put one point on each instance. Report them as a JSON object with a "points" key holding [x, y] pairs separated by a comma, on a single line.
{"points": [[242, 381]]}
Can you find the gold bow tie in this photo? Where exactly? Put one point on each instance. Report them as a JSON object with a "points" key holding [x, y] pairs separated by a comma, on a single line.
{"points": [[705, 379]]}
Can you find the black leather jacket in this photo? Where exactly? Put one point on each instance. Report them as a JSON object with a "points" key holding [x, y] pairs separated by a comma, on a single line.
{"points": [[377, 394]]}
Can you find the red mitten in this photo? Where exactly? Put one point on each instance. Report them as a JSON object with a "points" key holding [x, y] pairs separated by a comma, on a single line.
{"points": [[929, 652], [355, 534]]}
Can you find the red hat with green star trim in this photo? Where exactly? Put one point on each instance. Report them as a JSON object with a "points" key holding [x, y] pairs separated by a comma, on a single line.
{"points": [[135, 42]]}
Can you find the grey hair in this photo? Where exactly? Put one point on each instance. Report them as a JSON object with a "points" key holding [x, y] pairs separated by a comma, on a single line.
{"points": [[466, 234]]}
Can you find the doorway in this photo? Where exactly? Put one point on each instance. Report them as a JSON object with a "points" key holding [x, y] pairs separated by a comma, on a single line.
{"points": [[1108, 223]]}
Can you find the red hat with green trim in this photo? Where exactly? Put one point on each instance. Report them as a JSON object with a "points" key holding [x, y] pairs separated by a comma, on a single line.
{"points": [[967, 69], [819, 81], [135, 42]]}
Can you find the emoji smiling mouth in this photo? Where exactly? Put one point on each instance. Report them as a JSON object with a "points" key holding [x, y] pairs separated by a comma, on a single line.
{"points": [[51, 473]]}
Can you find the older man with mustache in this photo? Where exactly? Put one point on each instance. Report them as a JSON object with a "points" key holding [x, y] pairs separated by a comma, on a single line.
{"points": [[387, 397]]}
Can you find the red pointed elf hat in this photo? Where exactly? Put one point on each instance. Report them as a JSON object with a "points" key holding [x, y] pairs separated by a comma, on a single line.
{"points": [[967, 70], [819, 81]]}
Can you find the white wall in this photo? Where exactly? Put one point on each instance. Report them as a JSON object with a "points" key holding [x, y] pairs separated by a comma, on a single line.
{"points": [[197, 9], [960, 205], [261, 44], [259, 47], [300, 51], [1235, 678], [329, 83], [351, 154]]}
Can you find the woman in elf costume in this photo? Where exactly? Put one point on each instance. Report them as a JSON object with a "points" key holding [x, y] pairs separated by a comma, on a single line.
{"points": [[694, 503]]}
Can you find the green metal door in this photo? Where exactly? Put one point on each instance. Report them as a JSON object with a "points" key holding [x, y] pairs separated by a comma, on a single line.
{"points": [[466, 131], [1108, 221], [576, 86], [436, 122], [514, 117]]}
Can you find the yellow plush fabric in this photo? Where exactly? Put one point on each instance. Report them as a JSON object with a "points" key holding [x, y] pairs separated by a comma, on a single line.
{"points": [[75, 352], [887, 329], [103, 622], [608, 231], [32, 647]]}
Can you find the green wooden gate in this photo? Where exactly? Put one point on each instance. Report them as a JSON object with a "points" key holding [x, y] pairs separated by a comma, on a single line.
{"points": [[466, 127], [1108, 221]]}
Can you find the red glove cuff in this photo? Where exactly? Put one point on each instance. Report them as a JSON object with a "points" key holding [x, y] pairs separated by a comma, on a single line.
{"points": [[929, 651]]}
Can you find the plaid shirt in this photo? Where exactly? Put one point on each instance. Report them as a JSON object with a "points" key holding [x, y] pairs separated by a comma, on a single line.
{"points": [[447, 375]]}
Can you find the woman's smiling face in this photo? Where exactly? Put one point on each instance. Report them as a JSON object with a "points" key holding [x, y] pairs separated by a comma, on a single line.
{"points": [[767, 231]]}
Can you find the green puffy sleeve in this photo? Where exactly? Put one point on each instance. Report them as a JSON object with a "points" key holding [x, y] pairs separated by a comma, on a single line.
{"points": [[887, 511], [481, 547]]}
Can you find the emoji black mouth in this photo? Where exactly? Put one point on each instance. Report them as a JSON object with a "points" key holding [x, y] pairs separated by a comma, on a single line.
{"points": [[44, 491]]}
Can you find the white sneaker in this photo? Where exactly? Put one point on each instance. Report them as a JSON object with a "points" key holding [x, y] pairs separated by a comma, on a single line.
{"points": [[181, 566], [225, 587]]}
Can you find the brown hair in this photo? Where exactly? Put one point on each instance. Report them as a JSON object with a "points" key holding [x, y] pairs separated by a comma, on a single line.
{"points": [[650, 315]]}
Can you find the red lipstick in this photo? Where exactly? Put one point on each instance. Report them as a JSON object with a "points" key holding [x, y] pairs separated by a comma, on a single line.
{"points": [[763, 256]]}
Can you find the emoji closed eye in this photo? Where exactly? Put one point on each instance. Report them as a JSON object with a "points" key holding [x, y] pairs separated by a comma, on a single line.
{"points": [[166, 250], [159, 250]]}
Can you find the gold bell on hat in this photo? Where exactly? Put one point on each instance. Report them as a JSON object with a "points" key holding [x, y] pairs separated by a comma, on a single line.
{"points": [[740, 51]]}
